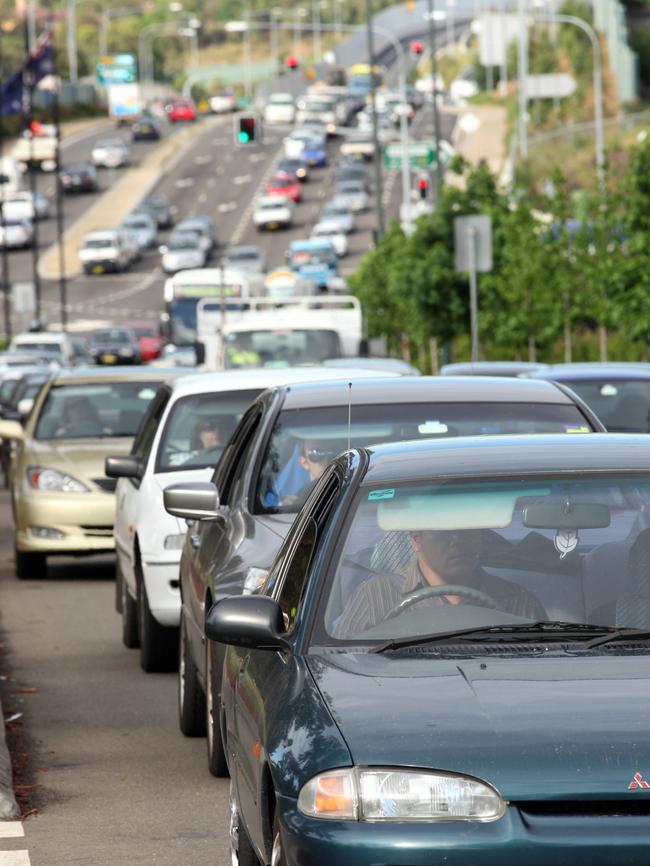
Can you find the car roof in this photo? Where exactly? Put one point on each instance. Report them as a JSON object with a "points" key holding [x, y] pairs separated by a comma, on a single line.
{"points": [[420, 389], [594, 372], [90, 375], [54, 337], [486, 368], [508, 455], [311, 244]]}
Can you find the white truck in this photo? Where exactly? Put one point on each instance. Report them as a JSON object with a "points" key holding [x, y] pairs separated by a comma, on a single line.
{"points": [[274, 333], [37, 147]]}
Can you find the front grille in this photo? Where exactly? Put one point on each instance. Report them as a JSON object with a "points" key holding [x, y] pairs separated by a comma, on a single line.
{"points": [[585, 808], [107, 484], [98, 531]]}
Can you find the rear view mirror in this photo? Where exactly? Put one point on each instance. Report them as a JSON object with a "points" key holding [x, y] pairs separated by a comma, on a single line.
{"points": [[192, 501], [123, 467], [11, 430], [569, 515], [248, 621]]}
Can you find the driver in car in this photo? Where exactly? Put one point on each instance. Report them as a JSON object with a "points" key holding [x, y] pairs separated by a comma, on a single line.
{"points": [[442, 558]]}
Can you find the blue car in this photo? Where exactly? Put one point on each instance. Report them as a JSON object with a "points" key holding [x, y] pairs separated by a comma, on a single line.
{"points": [[449, 662], [315, 152]]}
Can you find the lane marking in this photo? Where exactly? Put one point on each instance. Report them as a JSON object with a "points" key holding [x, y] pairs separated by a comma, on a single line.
{"points": [[219, 142], [227, 207], [14, 858], [203, 159], [257, 157], [242, 178], [11, 829], [184, 182], [203, 197]]}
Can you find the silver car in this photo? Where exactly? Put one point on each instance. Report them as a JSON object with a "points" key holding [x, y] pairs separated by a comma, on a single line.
{"points": [[353, 193], [338, 212], [247, 258], [183, 250], [142, 228]]}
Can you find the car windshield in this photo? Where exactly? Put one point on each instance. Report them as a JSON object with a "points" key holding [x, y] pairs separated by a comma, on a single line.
{"points": [[243, 256], [111, 335], [94, 410], [287, 471], [281, 182], [99, 243], [189, 241], [570, 549], [137, 222], [272, 204], [336, 210], [145, 331], [37, 346], [280, 348], [198, 428], [623, 406], [301, 258]]}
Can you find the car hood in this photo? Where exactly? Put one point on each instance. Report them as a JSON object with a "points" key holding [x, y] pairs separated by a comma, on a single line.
{"points": [[562, 727], [80, 458]]}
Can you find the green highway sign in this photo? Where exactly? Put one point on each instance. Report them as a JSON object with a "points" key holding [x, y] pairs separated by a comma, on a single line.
{"points": [[421, 154], [116, 69]]}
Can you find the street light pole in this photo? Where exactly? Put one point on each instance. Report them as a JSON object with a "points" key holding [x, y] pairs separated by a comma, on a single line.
{"points": [[375, 130], [316, 31], [434, 102], [522, 73]]}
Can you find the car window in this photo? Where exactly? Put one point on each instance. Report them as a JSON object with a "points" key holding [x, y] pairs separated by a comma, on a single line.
{"points": [[149, 425], [622, 405], [198, 428], [232, 460]]}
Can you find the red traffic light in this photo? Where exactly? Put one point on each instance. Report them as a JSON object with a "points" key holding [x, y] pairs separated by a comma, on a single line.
{"points": [[423, 186], [417, 47], [291, 62]]}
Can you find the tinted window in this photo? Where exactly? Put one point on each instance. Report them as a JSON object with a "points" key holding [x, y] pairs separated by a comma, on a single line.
{"points": [[280, 348], [296, 574], [149, 424], [304, 441], [622, 406], [198, 427]]}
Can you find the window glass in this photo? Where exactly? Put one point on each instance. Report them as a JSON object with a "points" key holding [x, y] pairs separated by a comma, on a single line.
{"points": [[149, 425], [280, 348], [572, 549], [622, 406], [296, 574], [304, 441], [94, 410], [198, 428]]}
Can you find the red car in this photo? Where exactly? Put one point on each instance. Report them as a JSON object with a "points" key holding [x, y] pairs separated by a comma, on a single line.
{"points": [[180, 109], [287, 185], [148, 338]]}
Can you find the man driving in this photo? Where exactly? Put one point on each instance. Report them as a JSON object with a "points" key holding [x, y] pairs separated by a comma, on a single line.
{"points": [[441, 558]]}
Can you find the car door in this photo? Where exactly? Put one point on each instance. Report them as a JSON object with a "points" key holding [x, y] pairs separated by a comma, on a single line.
{"points": [[255, 673], [128, 489], [208, 539]]}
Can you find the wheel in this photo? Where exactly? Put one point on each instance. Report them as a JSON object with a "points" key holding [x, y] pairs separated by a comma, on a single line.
{"points": [[30, 566], [129, 618], [242, 852], [277, 853], [158, 643], [191, 699], [216, 752]]}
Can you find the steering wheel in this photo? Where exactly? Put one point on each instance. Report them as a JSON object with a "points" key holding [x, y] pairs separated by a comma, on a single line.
{"points": [[425, 592]]}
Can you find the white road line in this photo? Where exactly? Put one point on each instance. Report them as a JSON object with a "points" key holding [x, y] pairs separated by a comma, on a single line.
{"points": [[14, 858], [202, 198], [227, 207], [257, 157], [219, 142], [184, 182], [242, 178], [11, 829], [203, 159], [247, 215]]}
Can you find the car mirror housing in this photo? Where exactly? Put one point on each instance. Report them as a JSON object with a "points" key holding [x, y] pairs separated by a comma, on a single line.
{"points": [[25, 406], [249, 621], [123, 467], [195, 501], [11, 430]]}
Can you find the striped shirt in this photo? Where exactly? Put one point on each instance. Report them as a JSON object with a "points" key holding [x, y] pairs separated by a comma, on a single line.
{"points": [[378, 595]]}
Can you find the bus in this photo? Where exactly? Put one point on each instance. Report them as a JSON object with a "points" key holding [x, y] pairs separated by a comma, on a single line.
{"points": [[359, 78]]}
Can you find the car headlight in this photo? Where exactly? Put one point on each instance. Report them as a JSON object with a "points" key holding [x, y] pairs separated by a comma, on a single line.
{"points": [[174, 542], [376, 794], [40, 478], [125, 352]]}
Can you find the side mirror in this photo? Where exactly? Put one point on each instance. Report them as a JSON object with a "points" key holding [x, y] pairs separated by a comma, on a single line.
{"points": [[162, 249], [24, 406], [195, 501], [11, 430], [249, 621], [123, 467]]}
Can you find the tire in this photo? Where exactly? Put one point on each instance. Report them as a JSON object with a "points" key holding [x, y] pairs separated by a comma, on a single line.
{"points": [[129, 618], [191, 699], [30, 566], [242, 852], [217, 763], [277, 852], [118, 585], [158, 643]]}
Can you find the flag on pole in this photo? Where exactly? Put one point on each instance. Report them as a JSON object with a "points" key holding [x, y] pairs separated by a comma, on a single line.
{"points": [[16, 91]]}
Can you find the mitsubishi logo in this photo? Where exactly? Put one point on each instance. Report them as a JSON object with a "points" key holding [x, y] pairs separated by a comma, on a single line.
{"points": [[638, 782]]}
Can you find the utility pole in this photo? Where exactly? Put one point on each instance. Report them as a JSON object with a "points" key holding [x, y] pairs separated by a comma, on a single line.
{"points": [[522, 73], [6, 281], [434, 103], [375, 131]]}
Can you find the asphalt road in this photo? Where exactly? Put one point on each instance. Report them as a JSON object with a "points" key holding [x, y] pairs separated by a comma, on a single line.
{"points": [[116, 784]]}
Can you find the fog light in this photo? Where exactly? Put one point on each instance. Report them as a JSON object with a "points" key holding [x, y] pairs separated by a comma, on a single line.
{"points": [[45, 532]]}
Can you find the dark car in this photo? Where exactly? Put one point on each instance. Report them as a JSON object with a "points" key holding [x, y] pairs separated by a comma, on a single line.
{"points": [[78, 177], [115, 346], [280, 447], [449, 662], [158, 207], [146, 129], [352, 170], [294, 166], [618, 393]]}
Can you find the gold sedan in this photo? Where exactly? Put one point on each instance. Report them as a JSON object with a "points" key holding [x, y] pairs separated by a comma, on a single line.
{"points": [[62, 501]]}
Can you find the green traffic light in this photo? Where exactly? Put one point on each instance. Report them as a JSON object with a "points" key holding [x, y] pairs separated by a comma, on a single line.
{"points": [[243, 136]]}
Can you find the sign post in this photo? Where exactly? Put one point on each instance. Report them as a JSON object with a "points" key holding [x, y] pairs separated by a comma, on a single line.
{"points": [[473, 254]]}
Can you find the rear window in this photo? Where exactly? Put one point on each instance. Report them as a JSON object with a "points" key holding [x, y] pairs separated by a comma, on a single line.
{"points": [[622, 405]]}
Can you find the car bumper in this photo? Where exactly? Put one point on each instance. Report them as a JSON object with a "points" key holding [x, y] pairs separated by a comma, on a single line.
{"points": [[82, 523], [163, 590], [510, 841]]}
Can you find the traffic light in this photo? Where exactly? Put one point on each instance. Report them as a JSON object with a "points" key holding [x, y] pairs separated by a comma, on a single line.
{"points": [[291, 62], [417, 47], [423, 187], [248, 129]]}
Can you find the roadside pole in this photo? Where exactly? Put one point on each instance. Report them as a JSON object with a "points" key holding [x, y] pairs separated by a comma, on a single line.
{"points": [[473, 291], [26, 111], [6, 281], [434, 103], [473, 254], [60, 222], [375, 131]]}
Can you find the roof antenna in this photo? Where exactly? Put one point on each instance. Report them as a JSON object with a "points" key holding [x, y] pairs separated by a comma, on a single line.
{"points": [[349, 411]]}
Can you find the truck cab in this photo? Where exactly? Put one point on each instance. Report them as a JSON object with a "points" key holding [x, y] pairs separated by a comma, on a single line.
{"points": [[315, 259]]}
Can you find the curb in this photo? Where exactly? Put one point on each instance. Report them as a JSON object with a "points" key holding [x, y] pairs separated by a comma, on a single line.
{"points": [[8, 806], [118, 201]]}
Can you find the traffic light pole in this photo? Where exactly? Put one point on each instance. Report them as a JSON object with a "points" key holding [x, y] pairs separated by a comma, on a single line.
{"points": [[379, 191], [434, 103]]}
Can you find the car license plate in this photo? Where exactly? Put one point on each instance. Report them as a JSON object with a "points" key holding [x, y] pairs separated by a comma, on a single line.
{"points": [[108, 359], [98, 269], [272, 226], [312, 162]]}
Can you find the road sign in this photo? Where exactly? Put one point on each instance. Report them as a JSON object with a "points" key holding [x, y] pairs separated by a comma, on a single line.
{"points": [[421, 154], [550, 86], [116, 69], [473, 243]]}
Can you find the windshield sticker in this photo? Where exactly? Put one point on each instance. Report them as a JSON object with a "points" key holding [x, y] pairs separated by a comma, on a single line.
{"points": [[433, 427], [576, 428], [565, 541], [375, 495]]}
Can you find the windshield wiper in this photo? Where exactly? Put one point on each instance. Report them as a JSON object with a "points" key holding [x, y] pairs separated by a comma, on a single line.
{"points": [[619, 634], [555, 629]]}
